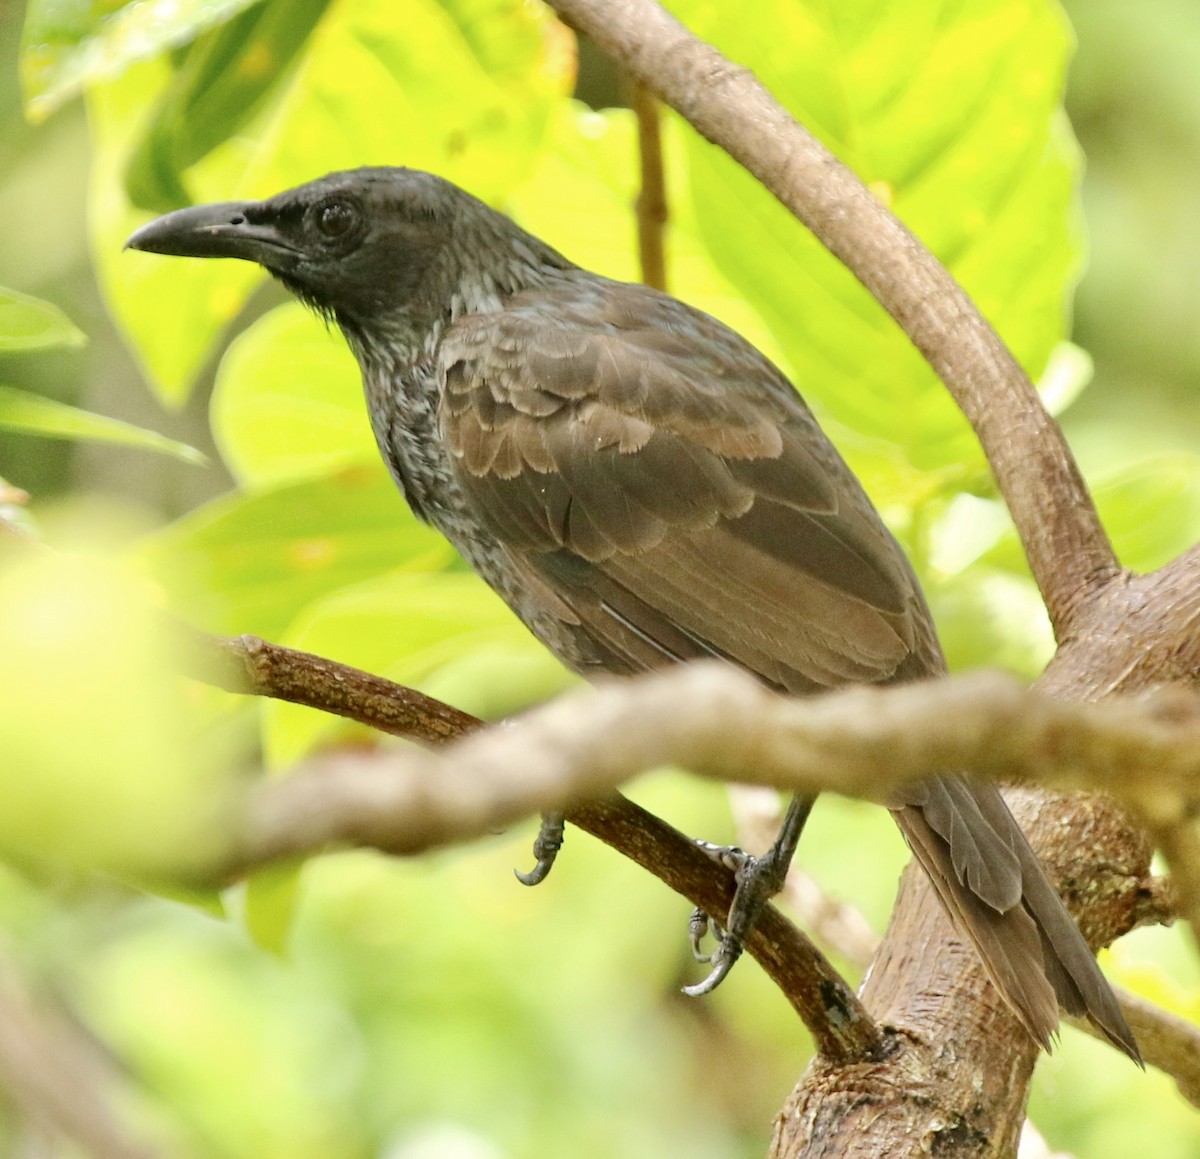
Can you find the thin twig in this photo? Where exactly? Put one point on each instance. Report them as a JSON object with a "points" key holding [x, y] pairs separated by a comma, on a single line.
{"points": [[652, 208], [1066, 545]]}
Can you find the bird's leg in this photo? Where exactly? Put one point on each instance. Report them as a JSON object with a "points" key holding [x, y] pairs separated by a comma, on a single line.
{"points": [[545, 848], [758, 879]]}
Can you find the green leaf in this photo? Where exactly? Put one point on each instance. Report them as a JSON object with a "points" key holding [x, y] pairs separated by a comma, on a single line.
{"points": [[224, 78], [93, 725], [587, 171], [32, 414], [1151, 510], [445, 633], [30, 324], [288, 402], [425, 93], [69, 45], [451, 106], [250, 563], [271, 896], [951, 113], [171, 312]]}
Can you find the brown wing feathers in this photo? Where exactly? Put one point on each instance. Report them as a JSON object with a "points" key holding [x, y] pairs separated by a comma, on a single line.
{"points": [[681, 501]]}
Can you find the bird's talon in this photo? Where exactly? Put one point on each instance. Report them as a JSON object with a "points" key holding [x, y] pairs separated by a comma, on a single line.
{"points": [[723, 961], [698, 925], [549, 841]]}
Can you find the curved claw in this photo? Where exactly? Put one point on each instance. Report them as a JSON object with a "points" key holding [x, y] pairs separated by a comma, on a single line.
{"points": [[549, 841], [723, 961], [537, 874]]}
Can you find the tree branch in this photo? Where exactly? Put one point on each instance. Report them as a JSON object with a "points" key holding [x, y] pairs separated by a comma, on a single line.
{"points": [[1064, 541], [406, 808], [652, 211], [721, 723]]}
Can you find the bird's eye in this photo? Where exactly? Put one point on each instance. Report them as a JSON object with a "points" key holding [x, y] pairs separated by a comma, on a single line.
{"points": [[335, 219]]}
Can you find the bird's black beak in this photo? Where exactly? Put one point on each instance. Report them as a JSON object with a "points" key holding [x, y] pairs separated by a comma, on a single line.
{"points": [[228, 229]]}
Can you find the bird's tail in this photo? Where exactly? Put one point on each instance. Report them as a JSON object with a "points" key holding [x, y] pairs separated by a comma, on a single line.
{"points": [[996, 892]]}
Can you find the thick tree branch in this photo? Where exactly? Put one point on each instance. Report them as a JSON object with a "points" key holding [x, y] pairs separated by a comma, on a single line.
{"points": [[1064, 541], [367, 804], [720, 722], [868, 740]]}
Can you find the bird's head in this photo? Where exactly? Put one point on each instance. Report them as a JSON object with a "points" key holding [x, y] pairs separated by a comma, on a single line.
{"points": [[353, 245]]}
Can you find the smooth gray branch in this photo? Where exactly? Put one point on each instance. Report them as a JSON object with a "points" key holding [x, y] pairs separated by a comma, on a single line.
{"points": [[719, 722]]}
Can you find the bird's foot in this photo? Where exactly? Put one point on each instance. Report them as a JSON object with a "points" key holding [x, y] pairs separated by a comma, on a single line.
{"points": [[545, 848], [757, 880]]}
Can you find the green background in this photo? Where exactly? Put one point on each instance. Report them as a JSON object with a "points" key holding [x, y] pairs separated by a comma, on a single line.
{"points": [[362, 1006]]}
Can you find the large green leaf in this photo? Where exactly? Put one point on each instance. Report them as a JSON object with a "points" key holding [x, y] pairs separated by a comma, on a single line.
{"points": [[70, 45], [288, 401], [250, 563], [28, 323], [32, 414], [950, 112], [587, 172], [221, 84], [172, 311], [462, 86]]}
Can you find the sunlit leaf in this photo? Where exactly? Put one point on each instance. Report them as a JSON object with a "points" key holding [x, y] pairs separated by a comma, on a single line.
{"points": [[249, 563], [28, 323], [171, 311], [289, 402], [452, 107], [951, 114], [220, 86], [1152, 509], [69, 45], [34, 415]]}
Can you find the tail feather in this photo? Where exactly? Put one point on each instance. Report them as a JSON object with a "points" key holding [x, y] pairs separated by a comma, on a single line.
{"points": [[1030, 946]]}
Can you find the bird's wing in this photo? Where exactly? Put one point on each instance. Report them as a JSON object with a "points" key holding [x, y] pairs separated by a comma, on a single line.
{"points": [[674, 490], [666, 483]]}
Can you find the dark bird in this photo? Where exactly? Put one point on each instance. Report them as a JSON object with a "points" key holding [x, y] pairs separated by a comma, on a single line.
{"points": [[642, 486]]}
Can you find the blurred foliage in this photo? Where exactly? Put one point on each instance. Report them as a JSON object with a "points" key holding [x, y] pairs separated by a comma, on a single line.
{"points": [[29, 324], [360, 1006]]}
